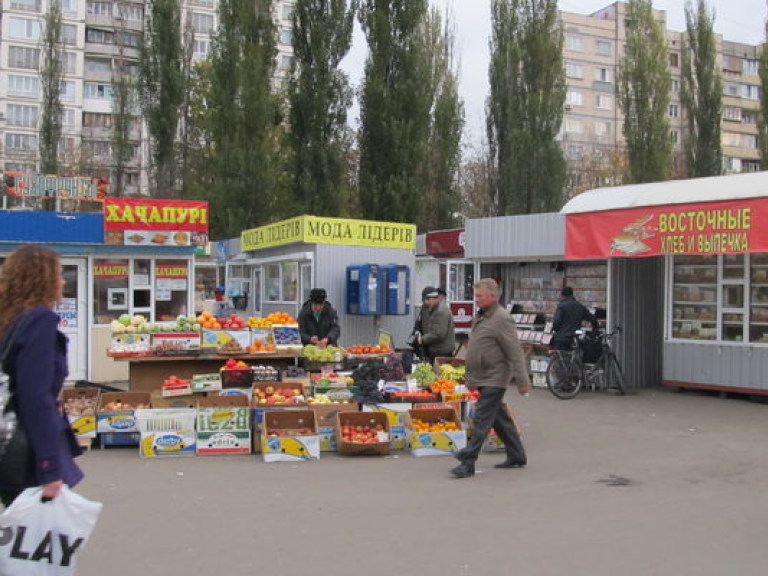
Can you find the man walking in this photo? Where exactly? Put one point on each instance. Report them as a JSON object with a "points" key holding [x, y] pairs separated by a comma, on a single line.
{"points": [[494, 360]]}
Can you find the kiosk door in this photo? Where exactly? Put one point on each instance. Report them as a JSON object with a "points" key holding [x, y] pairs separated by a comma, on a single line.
{"points": [[74, 319]]}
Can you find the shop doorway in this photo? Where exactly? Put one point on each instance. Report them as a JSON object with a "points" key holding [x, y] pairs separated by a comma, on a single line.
{"points": [[72, 311], [256, 286]]}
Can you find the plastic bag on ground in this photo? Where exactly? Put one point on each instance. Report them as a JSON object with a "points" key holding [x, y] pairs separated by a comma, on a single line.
{"points": [[45, 538]]}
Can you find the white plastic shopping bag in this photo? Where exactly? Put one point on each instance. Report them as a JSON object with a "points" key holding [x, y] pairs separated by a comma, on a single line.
{"points": [[44, 538]]}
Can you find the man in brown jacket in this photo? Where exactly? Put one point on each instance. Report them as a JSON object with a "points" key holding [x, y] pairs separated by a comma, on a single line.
{"points": [[494, 360]]}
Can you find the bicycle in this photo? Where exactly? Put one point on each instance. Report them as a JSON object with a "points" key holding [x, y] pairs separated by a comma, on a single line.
{"points": [[568, 372]]}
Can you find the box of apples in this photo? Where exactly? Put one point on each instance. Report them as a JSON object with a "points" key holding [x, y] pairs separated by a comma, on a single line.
{"points": [[362, 433], [289, 436]]}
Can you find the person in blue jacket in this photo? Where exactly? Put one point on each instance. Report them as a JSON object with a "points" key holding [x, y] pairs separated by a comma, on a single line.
{"points": [[31, 283]]}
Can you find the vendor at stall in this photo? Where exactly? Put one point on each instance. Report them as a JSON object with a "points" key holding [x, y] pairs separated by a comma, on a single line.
{"points": [[318, 320]]}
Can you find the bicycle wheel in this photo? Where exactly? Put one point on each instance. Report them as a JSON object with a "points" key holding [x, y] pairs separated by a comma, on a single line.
{"points": [[563, 377], [614, 375]]}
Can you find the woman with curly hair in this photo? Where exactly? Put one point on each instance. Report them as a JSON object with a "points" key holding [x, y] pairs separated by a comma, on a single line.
{"points": [[31, 284]]}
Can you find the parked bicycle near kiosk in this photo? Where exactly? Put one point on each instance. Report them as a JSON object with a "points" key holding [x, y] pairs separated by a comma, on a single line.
{"points": [[590, 363]]}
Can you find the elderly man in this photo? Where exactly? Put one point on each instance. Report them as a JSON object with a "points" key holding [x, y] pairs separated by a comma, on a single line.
{"points": [[494, 360], [438, 336]]}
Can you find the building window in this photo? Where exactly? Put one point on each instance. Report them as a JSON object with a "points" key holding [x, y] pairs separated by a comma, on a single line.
{"points": [[574, 151], [98, 66], [24, 28], [286, 61], [200, 49], [674, 60], [21, 115], [69, 34], [674, 111], [21, 142], [603, 47], [96, 36], [602, 128], [288, 11], [674, 135], [732, 89], [573, 70], [748, 117], [573, 126], [20, 168], [28, 86], [286, 36], [98, 8], [132, 12], [282, 282], [26, 5], [732, 113], [573, 43], [750, 92], [751, 166], [96, 120], [99, 148], [68, 116], [574, 98], [751, 67], [130, 39], [97, 91], [203, 23], [66, 146], [67, 91], [69, 63], [69, 7], [604, 75], [675, 85], [604, 102], [21, 57]]}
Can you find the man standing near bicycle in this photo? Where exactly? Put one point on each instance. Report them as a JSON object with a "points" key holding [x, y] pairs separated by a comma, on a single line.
{"points": [[494, 361], [569, 316]]}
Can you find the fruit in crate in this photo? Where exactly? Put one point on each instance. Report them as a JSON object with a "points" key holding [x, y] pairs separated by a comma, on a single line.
{"points": [[269, 395], [262, 345], [447, 386], [120, 405], [317, 354], [209, 321], [186, 324], [423, 374], [281, 318], [437, 426], [80, 406], [259, 322], [361, 350], [361, 434], [174, 382], [233, 364], [231, 347], [448, 372], [279, 432], [233, 322]]}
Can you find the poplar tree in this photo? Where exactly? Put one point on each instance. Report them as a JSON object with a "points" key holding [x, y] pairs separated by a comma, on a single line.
{"points": [[525, 106], [394, 111], [241, 118], [123, 107], [442, 199], [161, 89], [701, 94], [762, 121], [51, 75], [644, 85], [319, 97]]}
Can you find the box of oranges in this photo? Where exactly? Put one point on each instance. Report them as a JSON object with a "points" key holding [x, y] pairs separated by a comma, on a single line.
{"points": [[434, 432]]}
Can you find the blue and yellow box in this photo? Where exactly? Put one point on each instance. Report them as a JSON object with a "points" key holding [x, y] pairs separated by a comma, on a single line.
{"points": [[289, 436], [167, 432]]}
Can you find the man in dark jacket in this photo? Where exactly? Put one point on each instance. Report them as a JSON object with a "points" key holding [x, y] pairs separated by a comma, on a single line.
{"points": [[438, 334], [319, 321], [569, 315]]}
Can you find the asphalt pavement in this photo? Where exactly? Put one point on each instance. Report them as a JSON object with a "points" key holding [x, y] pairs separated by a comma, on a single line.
{"points": [[655, 483]]}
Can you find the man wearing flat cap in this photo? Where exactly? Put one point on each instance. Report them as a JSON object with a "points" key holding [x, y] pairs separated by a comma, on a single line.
{"points": [[438, 336]]}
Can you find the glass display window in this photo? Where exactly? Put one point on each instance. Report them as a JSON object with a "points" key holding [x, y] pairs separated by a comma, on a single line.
{"points": [[720, 298], [110, 289]]}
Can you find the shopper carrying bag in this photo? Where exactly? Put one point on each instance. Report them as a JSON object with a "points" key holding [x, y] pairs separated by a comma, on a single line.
{"points": [[43, 537]]}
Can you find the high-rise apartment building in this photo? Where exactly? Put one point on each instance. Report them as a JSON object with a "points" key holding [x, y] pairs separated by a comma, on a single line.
{"points": [[98, 37], [592, 126]]}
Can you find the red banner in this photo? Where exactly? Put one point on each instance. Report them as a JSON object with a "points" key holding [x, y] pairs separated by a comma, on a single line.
{"points": [[463, 312], [706, 228], [144, 214], [446, 242], [110, 269]]}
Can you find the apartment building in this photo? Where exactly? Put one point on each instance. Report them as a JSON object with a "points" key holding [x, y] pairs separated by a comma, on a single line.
{"points": [[100, 38], [592, 126]]}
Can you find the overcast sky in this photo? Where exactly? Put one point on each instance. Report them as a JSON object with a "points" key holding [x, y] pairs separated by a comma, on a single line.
{"points": [[736, 20]]}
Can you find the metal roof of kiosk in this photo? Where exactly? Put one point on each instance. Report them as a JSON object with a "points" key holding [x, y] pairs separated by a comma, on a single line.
{"points": [[712, 189]]}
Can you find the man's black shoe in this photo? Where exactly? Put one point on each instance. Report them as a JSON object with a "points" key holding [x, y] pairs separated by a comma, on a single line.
{"points": [[510, 464], [463, 471]]}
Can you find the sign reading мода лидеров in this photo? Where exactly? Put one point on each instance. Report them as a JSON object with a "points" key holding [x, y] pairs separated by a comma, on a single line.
{"points": [[317, 230]]}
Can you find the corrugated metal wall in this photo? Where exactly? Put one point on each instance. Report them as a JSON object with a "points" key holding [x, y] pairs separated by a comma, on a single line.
{"points": [[510, 238], [331, 263], [637, 305], [723, 366]]}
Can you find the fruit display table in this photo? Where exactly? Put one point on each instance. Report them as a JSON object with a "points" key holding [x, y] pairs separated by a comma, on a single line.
{"points": [[145, 373]]}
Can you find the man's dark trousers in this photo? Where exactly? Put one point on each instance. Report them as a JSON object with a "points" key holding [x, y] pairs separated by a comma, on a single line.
{"points": [[490, 413]]}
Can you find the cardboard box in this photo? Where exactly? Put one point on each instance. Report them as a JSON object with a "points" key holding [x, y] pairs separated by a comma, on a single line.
{"points": [[291, 447], [372, 420], [223, 425], [326, 422], [236, 378], [157, 400], [206, 382], [217, 338], [120, 420], [434, 443], [396, 413], [80, 405], [129, 344], [120, 438], [167, 432], [176, 340]]}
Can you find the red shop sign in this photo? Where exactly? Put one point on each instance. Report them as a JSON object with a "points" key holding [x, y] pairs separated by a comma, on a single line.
{"points": [[729, 227], [145, 214]]}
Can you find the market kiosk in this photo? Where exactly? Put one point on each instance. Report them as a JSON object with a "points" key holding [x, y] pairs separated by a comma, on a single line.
{"points": [[689, 275]]}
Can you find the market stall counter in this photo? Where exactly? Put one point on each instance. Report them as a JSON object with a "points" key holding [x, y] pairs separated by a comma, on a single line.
{"points": [[147, 372]]}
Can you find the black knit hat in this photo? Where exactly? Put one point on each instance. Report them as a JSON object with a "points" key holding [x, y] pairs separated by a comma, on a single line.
{"points": [[317, 295]]}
